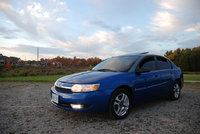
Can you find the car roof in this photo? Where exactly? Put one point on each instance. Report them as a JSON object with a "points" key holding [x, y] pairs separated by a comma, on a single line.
{"points": [[134, 54], [140, 54]]}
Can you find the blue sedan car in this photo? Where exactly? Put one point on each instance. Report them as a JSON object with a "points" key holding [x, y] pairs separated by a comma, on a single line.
{"points": [[117, 83]]}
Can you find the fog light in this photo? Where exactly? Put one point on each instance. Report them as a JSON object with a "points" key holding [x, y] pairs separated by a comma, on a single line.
{"points": [[76, 106]]}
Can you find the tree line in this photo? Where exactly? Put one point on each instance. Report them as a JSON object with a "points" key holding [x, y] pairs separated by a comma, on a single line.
{"points": [[187, 59], [68, 62]]}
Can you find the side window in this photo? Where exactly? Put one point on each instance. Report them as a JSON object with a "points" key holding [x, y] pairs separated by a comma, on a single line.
{"points": [[148, 64], [162, 63]]}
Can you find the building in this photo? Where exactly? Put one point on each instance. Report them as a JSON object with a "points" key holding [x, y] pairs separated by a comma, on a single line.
{"points": [[5, 59]]}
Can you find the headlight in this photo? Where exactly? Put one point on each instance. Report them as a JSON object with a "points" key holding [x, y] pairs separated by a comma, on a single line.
{"points": [[56, 83], [84, 87]]}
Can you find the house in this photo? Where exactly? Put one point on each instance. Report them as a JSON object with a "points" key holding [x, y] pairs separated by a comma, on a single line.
{"points": [[3, 59], [14, 60]]}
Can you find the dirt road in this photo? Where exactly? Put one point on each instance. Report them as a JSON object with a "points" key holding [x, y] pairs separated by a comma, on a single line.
{"points": [[26, 108]]}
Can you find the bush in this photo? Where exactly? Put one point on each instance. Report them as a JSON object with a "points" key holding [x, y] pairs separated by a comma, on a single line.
{"points": [[33, 71]]}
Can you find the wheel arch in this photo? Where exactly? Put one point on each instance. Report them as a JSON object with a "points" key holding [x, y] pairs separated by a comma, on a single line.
{"points": [[126, 87], [179, 80], [122, 88]]}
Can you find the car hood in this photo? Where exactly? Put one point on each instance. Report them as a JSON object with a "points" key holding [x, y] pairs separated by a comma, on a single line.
{"points": [[88, 77]]}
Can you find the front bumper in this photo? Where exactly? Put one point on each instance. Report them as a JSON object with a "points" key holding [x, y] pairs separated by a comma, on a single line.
{"points": [[96, 101]]}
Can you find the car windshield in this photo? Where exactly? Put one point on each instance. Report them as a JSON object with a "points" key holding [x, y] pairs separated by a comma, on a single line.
{"points": [[117, 64]]}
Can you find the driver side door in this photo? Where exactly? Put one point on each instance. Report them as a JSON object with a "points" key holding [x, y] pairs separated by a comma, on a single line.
{"points": [[146, 79]]}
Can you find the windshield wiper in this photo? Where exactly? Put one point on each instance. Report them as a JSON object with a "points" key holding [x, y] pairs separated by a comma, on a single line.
{"points": [[106, 70]]}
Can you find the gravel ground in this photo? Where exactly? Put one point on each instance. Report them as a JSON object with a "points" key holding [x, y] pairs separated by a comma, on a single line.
{"points": [[26, 108]]}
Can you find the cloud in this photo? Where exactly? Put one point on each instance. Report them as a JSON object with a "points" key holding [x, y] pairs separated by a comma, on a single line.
{"points": [[189, 43], [85, 44], [120, 7], [106, 43], [139, 30], [163, 21], [9, 33], [184, 10], [112, 28], [68, 45], [33, 49], [108, 27], [35, 20], [97, 2], [36, 10], [61, 3], [21, 12], [180, 5], [102, 24], [59, 19], [101, 43], [172, 18], [25, 23], [126, 28], [168, 5], [80, 48], [100, 37], [193, 28]]}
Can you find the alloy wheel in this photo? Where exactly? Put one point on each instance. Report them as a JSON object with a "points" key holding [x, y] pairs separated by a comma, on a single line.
{"points": [[176, 90], [121, 104]]}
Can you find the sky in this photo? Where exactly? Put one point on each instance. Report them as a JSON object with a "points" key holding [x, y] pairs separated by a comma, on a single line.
{"points": [[97, 28]]}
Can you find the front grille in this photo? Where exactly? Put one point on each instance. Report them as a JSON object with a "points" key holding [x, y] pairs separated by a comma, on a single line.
{"points": [[60, 89], [64, 104]]}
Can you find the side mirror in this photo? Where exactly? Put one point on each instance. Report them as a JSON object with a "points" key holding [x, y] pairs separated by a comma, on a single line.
{"points": [[141, 70], [138, 71]]}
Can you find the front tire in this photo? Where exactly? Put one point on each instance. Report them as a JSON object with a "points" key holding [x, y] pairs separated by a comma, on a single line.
{"points": [[120, 104], [176, 91]]}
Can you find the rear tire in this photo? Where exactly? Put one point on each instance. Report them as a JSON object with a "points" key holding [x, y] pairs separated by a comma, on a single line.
{"points": [[176, 91], [120, 104]]}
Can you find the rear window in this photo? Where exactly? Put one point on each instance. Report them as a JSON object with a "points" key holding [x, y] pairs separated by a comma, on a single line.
{"points": [[162, 63]]}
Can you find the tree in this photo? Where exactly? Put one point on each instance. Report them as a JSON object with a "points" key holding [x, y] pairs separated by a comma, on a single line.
{"points": [[187, 59], [68, 62], [9, 65]]}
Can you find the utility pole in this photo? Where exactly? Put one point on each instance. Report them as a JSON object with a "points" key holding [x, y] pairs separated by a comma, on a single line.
{"points": [[37, 54]]}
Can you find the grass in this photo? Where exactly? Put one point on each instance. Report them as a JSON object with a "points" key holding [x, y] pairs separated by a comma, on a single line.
{"points": [[191, 77], [194, 85], [53, 78], [41, 78]]}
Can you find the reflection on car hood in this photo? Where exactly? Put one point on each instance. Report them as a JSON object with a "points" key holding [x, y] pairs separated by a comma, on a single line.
{"points": [[88, 77]]}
